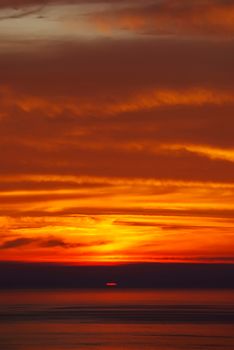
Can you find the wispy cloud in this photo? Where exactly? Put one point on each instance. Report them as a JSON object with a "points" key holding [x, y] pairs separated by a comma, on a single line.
{"points": [[168, 17], [21, 12]]}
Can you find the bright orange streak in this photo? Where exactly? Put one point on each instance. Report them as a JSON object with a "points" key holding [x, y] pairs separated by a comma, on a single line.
{"points": [[210, 152]]}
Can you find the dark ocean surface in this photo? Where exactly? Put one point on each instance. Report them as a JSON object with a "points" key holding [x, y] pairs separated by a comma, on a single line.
{"points": [[115, 319]]}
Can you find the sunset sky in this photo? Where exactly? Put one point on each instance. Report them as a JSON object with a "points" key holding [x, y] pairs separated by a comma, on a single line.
{"points": [[117, 131]]}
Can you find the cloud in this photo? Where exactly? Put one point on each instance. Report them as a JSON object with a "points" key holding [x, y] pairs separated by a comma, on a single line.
{"points": [[133, 102], [166, 100], [20, 3], [49, 185], [195, 259], [30, 197], [74, 212], [84, 123], [168, 17], [16, 243], [162, 226], [75, 69], [17, 12], [136, 223], [96, 162], [40, 242], [210, 152], [55, 242]]}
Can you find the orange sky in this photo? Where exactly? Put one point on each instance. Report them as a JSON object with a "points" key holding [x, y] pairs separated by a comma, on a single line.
{"points": [[116, 131]]}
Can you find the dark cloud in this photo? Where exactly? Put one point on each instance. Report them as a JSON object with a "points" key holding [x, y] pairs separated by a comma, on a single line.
{"points": [[168, 227], [50, 196], [136, 223], [27, 185], [199, 259], [110, 210], [47, 243], [55, 242], [16, 243]]}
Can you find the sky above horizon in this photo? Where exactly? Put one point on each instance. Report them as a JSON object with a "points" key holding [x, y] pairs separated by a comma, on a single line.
{"points": [[117, 131]]}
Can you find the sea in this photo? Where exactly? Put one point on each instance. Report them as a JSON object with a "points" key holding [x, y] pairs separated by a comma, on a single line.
{"points": [[114, 319]]}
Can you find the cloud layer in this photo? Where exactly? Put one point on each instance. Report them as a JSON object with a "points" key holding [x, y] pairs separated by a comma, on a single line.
{"points": [[116, 131]]}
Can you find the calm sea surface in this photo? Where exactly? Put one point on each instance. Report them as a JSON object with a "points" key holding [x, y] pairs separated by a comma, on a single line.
{"points": [[116, 319]]}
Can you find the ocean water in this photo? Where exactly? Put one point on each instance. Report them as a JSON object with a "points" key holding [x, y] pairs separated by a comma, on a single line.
{"points": [[115, 319]]}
